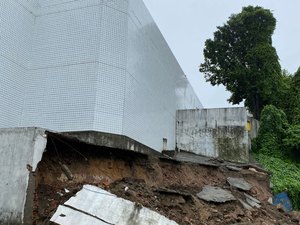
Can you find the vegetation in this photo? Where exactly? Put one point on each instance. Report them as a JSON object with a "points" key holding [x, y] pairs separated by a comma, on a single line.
{"points": [[277, 145], [273, 124], [242, 58], [291, 141], [291, 97], [285, 176]]}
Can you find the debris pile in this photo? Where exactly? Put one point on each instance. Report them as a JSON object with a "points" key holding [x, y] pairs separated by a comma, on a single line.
{"points": [[181, 192]]}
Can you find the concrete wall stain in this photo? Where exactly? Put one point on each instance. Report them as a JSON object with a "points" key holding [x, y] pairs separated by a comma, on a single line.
{"points": [[218, 133], [229, 143]]}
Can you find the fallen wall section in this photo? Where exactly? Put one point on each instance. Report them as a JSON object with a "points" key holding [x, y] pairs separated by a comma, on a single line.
{"points": [[93, 205], [220, 133], [20, 151]]}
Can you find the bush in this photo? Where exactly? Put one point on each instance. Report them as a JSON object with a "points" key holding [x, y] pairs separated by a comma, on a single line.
{"points": [[272, 130], [285, 176], [292, 138]]}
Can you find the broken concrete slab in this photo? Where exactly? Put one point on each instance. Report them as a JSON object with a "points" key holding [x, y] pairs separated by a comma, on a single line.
{"points": [[252, 198], [239, 183], [245, 205], [66, 215], [215, 194], [252, 203], [106, 208]]}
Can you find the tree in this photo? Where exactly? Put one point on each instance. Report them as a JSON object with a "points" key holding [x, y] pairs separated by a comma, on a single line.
{"points": [[241, 57], [294, 99], [272, 131]]}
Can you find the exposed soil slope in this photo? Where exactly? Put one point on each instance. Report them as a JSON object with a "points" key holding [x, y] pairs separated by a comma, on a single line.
{"points": [[164, 185]]}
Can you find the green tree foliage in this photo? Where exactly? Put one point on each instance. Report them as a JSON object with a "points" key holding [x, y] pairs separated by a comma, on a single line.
{"points": [[277, 145], [272, 131], [241, 57], [293, 98], [292, 139], [284, 94], [277, 149]]}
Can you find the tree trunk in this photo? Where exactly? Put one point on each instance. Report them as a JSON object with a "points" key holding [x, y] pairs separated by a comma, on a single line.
{"points": [[256, 107]]}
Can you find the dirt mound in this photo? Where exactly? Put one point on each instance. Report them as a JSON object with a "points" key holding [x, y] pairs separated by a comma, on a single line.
{"points": [[166, 186]]}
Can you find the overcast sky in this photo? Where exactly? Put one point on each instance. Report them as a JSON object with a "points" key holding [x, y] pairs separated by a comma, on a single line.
{"points": [[186, 24]]}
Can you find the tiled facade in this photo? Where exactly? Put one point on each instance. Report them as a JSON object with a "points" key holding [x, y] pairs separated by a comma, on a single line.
{"points": [[102, 65]]}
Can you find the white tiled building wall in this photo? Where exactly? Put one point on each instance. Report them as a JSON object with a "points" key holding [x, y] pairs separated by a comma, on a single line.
{"points": [[98, 65], [16, 27]]}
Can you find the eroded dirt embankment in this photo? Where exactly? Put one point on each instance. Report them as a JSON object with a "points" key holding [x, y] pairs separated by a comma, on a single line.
{"points": [[163, 185]]}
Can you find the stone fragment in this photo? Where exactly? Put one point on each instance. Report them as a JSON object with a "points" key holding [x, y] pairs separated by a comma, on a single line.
{"points": [[270, 200], [234, 168], [245, 205], [215, 194], [239, 183], [280, 207], [252, 198], [252, 203], [66, 171]]}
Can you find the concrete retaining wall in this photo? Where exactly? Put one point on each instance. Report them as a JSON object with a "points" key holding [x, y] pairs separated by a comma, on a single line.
{"points": [[218, 133], [20, 151]]}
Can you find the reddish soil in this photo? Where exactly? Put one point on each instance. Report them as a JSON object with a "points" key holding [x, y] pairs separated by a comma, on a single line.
{"points": [[163, 185]]}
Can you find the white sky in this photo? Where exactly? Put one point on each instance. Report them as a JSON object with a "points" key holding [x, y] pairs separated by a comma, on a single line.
{"points": [[186, 24]]}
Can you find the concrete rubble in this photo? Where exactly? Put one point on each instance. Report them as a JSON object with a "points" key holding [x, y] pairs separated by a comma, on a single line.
{"points": [[253, 202], [245, 205], [93, 205], [250, 202], [215, 194], [239, 183]]}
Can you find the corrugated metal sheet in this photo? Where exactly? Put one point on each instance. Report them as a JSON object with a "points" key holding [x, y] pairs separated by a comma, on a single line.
{"points": [[95, 204]]}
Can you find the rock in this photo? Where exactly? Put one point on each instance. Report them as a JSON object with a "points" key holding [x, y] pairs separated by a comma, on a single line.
{"points": [[234, 168], [253, 169], [173, 200], [245, 205], [215, 194], [295, 216], [252, 198], [254, 191], [239, 183], [270, 200], [66, 171], [280, 207], [253, 202], [249, 215]]}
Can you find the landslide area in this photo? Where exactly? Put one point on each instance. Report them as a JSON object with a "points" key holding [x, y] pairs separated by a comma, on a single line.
{"points": [[164, 185]]}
